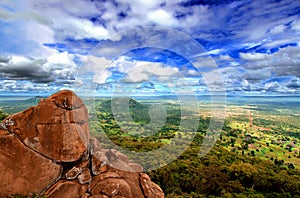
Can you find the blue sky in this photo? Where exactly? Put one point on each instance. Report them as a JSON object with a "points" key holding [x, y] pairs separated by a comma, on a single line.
{"points": [[241, 47]]}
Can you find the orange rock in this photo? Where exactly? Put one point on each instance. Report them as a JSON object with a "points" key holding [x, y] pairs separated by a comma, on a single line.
{"points": [[112, 187], [66, 189], [22, 170], [136, 167], [57, 127], [85, 176], [150, 189], [73, 173], [99, 162], [46, 149], [86, 195], [99, 196]]}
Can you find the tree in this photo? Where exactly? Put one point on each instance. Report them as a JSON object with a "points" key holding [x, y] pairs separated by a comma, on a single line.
{"points": [[232, 141], [244, 172], [291, 166]]}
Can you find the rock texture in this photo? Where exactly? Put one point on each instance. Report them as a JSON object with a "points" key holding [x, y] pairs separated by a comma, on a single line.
{"points": [[47, 150]]}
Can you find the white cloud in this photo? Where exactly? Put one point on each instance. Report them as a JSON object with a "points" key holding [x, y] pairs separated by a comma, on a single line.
{"points": [[61, 58], [278, 29], [296, 25], [271, 85], [244, 83], [57, 66], [65, 18], [193, 72], [94, 64], [276, 43], [134, 71], [161, 17], [225, 57], [31, 23], [102, 77], [282, 63], [80, 8], [143, 71], [253, 56], [24, 86], [80, 29]]}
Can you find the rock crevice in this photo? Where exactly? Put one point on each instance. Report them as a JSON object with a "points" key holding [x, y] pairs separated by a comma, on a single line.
{"points": [[48, 150]]}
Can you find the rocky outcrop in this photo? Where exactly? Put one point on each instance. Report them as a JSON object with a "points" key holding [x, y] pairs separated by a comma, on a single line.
{"points": [[23, 170], [47, 150], [57, 128]]}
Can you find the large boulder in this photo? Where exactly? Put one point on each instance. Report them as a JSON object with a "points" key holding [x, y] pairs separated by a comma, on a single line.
{"points": [[57, 128], [23, 170], [47, 150]]}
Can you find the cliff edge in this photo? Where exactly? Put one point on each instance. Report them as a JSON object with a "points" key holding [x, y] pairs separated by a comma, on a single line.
{"points": [[47, 149]]}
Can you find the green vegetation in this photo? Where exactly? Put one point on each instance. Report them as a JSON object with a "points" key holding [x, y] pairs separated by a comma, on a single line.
{"points": [[136, 133], [14, 105], [257, 155], [223, 173], [251, 159], [3, 116]]}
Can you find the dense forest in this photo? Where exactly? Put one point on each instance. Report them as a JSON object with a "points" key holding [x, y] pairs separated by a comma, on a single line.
{"points": [[226, 174], [234, 167]]}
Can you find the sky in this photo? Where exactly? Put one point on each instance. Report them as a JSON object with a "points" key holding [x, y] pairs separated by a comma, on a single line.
{"points": [[236, 47]]}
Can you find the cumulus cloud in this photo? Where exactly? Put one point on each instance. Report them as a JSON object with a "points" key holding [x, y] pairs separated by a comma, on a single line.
{"points": [[80, 29], [108, 17], [161, 17], [125, 70], [94, 64], [282, 63], [144, 71], [261, 31], [253, 56], [59, 66], [294, 84], [278, 29], [25, 86], [26, 69]]}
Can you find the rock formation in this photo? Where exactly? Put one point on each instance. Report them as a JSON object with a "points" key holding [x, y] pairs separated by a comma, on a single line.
{"points": [[46, 149]]}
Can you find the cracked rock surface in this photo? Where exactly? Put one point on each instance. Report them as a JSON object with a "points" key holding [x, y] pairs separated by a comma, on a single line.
{"points": [[47, 150]]}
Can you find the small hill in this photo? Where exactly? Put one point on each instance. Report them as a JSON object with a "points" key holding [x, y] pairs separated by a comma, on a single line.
{"points": [[35, 99], [139, 112], [15, 105]]}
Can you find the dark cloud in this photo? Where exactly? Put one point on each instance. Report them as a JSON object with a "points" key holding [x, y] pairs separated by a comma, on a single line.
{"points": [[34, 70], [4, 59], [294, 84], [30, 70], [256, 77], [65, 82]]}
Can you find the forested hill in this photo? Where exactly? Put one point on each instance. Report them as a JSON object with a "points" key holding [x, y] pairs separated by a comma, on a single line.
{"points": [[138, 111], [14, 104]]}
